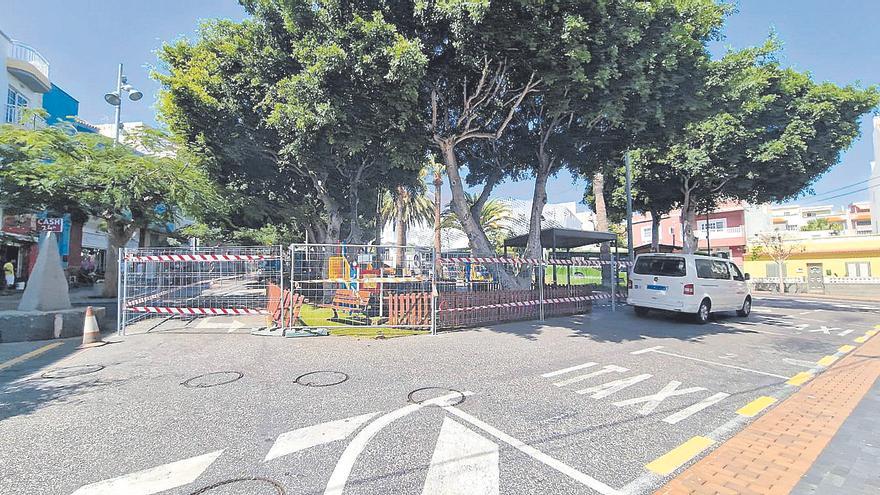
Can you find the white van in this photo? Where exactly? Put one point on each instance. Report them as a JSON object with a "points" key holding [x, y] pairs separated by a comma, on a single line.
{"points": [[688, 283]]}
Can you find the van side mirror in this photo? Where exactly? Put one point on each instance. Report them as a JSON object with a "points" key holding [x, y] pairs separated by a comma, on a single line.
{"points": [[747, 276]]}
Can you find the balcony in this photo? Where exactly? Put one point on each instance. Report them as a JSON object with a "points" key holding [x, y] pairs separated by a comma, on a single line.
{"points": [[26, 64], [15, 114], [726, 233]]}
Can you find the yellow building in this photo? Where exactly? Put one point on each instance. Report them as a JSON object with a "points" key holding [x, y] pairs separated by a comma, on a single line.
{"points": [[821, 258]]}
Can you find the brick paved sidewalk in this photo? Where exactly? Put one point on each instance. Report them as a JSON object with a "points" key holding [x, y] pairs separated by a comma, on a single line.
{"points": [[771, 455]]}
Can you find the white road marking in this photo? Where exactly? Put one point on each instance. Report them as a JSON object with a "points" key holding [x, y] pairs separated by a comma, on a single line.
{"points": [[695, 408], [654, 400], [649, 349], [339, 477], [536, 454], [719, 364], [606, 389], [824, 329], [463, 463], [153, 480], [844, 333], [568, 370], [312, 436], [605, 369]]}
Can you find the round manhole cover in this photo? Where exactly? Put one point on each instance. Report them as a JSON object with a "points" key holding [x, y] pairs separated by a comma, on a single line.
{"points": [[321, 378], [69, 371], [214, 379], [423, 394], [239, 486]]}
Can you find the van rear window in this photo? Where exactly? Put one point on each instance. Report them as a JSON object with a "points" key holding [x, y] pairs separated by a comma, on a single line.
{"points": [[660, 265]]}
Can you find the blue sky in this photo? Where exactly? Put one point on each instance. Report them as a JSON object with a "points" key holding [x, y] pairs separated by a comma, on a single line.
{"points": [[85, 40]]}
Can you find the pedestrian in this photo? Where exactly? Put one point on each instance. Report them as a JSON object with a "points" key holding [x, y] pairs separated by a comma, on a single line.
{"points": [[9, 272]]}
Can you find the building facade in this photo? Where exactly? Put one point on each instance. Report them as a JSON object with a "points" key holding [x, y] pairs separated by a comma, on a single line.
{"points": [[722, 231], [874, 181]]}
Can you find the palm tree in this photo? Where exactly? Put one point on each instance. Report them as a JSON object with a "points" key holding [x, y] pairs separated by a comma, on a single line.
{"points": [[408, 206], [493, 219]]}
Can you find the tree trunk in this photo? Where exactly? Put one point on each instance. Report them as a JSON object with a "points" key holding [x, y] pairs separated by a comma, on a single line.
{"points": [[400, 230], [119, 235], [655, 231], [779, 265], [602, 224], [380, 222], [688, 219], [477, 239], [539, 199], [438, 247]]}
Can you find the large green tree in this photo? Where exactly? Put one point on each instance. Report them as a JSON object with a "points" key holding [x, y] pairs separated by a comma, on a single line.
{"points": [[58, 169], [770, 132], [308, 106]]}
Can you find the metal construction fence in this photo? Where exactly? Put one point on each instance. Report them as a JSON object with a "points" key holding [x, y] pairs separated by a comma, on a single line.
{"points": [[325, 286], [197, 283]]}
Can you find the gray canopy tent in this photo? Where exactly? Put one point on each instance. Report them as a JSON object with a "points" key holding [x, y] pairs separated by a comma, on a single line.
{"points": [[556, 239]]}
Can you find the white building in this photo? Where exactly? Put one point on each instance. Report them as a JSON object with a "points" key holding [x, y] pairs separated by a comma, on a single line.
{"points": [[24, 79], [874, 182], [563, 215]]}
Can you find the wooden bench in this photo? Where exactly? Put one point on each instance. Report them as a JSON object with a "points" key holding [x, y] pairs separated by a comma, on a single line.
{"points": [[351, 301], [292, 302]]}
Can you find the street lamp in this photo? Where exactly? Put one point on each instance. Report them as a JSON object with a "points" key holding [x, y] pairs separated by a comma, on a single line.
{"points": [[115, 98]]}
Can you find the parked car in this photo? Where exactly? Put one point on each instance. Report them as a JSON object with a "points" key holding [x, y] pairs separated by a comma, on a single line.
{"points": [[688, 283]]}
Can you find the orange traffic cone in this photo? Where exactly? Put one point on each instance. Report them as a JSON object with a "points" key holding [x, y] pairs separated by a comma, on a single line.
{"points": [[91, 332]]}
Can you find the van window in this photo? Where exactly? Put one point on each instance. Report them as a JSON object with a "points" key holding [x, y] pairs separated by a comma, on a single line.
{"points": [[737, 275], [712, 269], [660, 265]]}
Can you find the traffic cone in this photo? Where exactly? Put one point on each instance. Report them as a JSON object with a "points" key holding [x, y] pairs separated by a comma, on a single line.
{"points": [[91, 332]]}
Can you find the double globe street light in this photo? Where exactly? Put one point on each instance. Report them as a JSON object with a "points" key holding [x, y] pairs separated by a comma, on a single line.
{"points": [[115, 98]]}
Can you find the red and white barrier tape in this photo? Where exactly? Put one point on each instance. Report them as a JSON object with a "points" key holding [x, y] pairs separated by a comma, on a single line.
{"points": [[196, 311], [520, 304], [533, 261], [201, 257]]}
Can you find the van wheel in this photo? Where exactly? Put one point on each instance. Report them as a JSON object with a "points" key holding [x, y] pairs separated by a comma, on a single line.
{"points": [[640, 311], [746, 309], [702, 315]]}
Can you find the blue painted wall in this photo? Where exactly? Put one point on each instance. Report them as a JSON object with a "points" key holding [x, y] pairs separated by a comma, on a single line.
{"points": [[59, 105]]}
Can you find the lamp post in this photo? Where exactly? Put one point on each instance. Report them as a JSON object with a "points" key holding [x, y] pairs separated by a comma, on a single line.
{"points": [[115, 98], [629, 207]]}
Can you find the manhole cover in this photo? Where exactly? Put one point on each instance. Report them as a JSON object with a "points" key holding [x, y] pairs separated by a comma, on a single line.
{"points": [[239, 486], [214, 379], [321, 378], [420, 395], [69, 371]]}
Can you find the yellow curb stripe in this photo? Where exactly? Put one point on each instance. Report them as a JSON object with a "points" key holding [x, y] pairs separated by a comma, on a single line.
{"points": [[871, 333], [754, 407], [28, 355], [827, 361], [800, 378], [678, 456], [862, 339], [845, 348]]}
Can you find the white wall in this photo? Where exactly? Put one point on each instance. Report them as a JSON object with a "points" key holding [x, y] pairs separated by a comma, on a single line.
{"points": [[5, 50]]}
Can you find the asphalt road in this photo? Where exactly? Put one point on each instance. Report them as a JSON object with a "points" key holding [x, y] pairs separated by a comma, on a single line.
{"points": [[574, 405]]}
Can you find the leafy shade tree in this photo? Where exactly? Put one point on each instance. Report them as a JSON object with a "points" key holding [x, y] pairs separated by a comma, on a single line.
{"points": [[769, 133], [56, 169], [308, 106], [822, 224], [778, 247]]}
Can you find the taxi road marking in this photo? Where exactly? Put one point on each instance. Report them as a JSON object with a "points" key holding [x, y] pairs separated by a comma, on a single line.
{"points": [[678, 456]]}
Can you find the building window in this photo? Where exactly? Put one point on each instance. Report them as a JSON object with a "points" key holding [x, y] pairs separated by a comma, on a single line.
{"points": [[646, 233], [860, 269], [773, 270], [715, 224], [15, 101]]}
